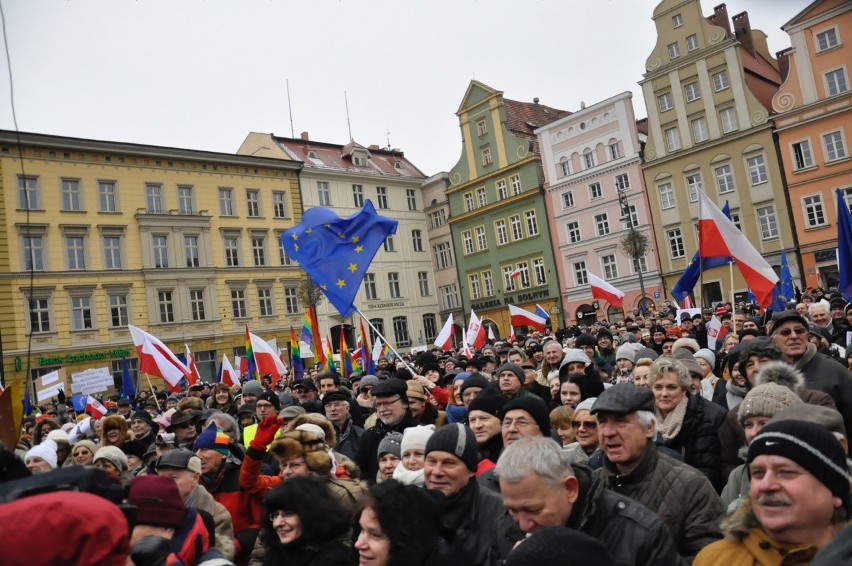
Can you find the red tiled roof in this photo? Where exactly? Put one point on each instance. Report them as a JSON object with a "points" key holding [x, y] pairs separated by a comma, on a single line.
{"points": [[523, 118], [338, 157], [762, 78], [642, 126]]}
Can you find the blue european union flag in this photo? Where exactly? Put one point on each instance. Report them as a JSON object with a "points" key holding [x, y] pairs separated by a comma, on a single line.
{"points": [[128, 388], [687, 281], [781, 297], [336, 252], [844, 246]]}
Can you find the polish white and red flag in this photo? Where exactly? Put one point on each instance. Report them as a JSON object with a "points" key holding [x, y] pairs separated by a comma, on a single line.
{"points": [[475, 331], [190, 363], [715, 332], [604, 291], [465, 346], [516, 273], [266, 358], [520, 317], [229, 374], [718, 236], [94, 408], [445, 336], [155, 358]]}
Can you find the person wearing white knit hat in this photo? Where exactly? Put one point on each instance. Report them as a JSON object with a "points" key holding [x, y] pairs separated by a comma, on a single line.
{"points": [[413, 450], [41, 457], [63, 447]]}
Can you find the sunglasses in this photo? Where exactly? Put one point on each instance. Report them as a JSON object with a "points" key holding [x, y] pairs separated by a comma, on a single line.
{"points": [[799, 331], [591, 425]]}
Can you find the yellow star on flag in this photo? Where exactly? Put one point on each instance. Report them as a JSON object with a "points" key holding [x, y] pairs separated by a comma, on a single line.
{"points": [[309, 230], [353, 267], [324, 287], [342, 235], [359, 249], [356, 239], [296, 247], [341, 283], [295, 236]]}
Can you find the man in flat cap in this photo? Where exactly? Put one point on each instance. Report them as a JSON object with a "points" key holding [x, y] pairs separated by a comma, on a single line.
{"points": [[681, 495]]}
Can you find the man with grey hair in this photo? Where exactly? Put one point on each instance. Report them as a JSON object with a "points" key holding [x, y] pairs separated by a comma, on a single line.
{"points": [[541, 489], [681, 495]]}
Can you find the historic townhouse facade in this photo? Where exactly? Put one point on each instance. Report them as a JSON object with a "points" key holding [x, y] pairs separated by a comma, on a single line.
{"points": [[97, 235], [708, 90], [437, 209], [498, 218], [595, 199], [813, 125], [399, 294]]}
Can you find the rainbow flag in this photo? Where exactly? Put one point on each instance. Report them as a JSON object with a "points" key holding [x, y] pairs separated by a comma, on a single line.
{"points": [[249, 357], [307, 333], [319, 353], [346, 365], [365, 348], [386, 351], [329, 357], [295, 356]]}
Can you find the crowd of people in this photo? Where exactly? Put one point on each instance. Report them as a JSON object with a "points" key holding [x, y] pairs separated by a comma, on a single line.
{"points": [[639, 442]]}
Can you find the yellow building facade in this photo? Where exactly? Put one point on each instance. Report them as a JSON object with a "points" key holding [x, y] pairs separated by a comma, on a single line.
{"points": [[185, 244]]}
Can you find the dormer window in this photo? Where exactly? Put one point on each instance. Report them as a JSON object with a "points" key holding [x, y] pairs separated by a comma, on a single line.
{"points": [[359, 160], [312, 155], [397, 165]]}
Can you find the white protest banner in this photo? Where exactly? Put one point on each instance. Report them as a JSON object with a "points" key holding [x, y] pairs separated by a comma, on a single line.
{"points": [[49, 385], [93, 380]]}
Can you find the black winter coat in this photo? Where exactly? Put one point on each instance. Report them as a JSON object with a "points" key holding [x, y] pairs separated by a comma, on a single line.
{"points": [[367, 457], [698, 439]]}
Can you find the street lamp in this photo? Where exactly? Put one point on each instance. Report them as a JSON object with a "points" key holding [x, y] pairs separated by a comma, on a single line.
{"points": [[634, 244]]}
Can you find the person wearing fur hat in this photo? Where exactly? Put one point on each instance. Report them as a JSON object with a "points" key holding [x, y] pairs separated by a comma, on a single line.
{"points": [[222, 399], [412, 450], [115, 431], [553, 355], [798, 499], [472, 514]]}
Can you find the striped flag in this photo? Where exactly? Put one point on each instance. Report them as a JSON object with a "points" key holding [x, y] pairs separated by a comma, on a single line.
{"points": [[94, 408], [296, 356], [251, 365]]}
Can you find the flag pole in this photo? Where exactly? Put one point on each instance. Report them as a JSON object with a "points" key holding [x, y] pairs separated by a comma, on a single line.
{"points": [[731, 271], [700, 262], [153, 394], [380, 335]]}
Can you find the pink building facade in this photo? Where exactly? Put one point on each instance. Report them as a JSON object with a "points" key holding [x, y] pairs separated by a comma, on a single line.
{"points": [[595, 196]]}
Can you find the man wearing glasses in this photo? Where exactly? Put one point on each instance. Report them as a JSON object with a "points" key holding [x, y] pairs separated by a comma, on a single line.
{"points": [[790, 332]]}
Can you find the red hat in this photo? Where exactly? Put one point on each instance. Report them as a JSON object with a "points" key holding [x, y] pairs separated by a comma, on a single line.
{"points": [[674, 331], [720, 310], [157, 501]]}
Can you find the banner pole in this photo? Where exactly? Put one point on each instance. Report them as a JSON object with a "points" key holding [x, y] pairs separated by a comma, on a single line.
{"points": [[153, 394], [380, 335]]}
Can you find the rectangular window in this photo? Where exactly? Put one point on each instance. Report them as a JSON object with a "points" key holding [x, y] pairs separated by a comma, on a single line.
{"points": [[581, 277], [802, 155], [675, 238], [184, 194], [400, 331], [834, 148], [827, 39], [154, 198], [81, 313], [508, 281], [379, 325], [674, 50], [728, 116], [724, 179], [720, 81], [667, 197], [118, 314], [515, 223], [692, 91], [443, 256], [614, 152], [252, 203], [677, 20], [112, 252], [473, 282], [33, 253], [480, 196], [264, 302], [588, 160], [107, 196], [768, 223], [565, 167], [468, 202], [160, 247], [323, 193], [358, 195], [291, 300], [502, 236], [631, 219], [382, 197], [568, 199], [836, 82], [673, 139], [516, 184], [190, 250], [573, 229], [814, 213], [488, 283], [610, 268], [757, 169], [196, 304], [258, 251], [735, 218], [166, 306], [423, 283], [232, 252], [438, 218], [28, 194], [370, 287], [430, 327], [279, 204], [282, 254], [693, 185], [602, 224], [481, 240], [640, 265], [622, 182], [417, 240], [502, 191], [532, 223], [238, 303], [699, 130], [226, 202], [524, 268], [411, 199], [691, 42], [75, 247], [539, 271], [39, 315], [481, 128], [71, 195], [467, 242], [486, 156], [595, 191], [389, 244]]}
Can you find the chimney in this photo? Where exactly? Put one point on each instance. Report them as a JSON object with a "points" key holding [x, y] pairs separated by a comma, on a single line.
{"points": [[720, 17], [535, 100], [783, 57], [373, 147], [304, 136], [742, 31]]}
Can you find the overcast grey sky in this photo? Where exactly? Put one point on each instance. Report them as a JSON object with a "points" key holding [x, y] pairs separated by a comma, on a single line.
{"points": [[202, 74]]}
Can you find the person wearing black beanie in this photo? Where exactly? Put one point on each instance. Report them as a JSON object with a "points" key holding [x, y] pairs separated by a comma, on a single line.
{"points": [[477, 382], [483, 418], [525, 416], [557, 546]]}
